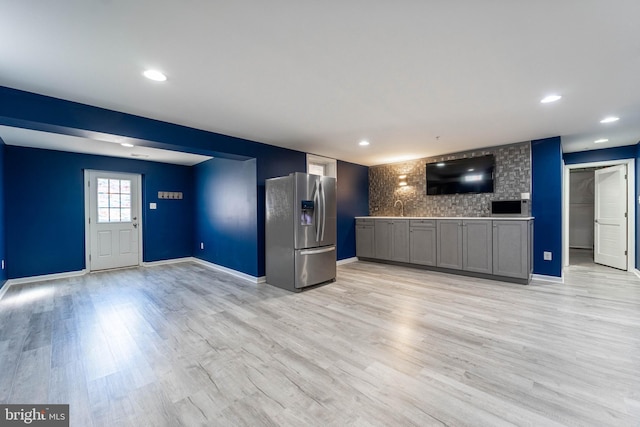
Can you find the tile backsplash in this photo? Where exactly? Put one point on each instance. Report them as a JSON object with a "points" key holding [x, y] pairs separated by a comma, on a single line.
{"points": [[512, 177]]}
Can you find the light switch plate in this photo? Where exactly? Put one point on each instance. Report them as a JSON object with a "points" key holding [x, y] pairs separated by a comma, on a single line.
{"points": [[153, 206], [525, 196], [547, 256]]}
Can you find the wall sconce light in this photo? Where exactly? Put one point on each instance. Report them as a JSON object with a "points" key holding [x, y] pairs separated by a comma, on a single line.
{"points": [[403, 180]]}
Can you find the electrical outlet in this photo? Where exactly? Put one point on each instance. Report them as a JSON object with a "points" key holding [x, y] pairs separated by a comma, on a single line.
{"points": [[547, 256], [201, 245]]}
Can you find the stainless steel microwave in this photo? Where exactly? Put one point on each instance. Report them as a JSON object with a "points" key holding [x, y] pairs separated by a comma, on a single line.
{"points": [[510, 208]]}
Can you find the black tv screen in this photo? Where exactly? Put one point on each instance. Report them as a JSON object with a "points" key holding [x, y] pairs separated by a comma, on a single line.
{"points": [[470, 175]]}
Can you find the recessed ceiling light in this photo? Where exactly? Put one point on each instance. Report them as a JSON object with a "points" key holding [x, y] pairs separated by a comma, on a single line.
{"points": [[126, 144], [610, 119], [600, 141], [440, 164], [363, 143], [155, 75], [470, 170], [550, 98]]}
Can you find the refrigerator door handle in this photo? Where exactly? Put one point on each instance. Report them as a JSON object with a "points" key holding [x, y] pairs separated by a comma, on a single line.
{"points": [[316, 202], [317, 251], [324, 210]]}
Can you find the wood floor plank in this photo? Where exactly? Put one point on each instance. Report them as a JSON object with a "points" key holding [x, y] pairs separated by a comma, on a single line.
{"points": [[383, 345]]}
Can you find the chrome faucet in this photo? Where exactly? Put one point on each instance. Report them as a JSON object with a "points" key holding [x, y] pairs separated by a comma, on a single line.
{"points": [[401, 206]]}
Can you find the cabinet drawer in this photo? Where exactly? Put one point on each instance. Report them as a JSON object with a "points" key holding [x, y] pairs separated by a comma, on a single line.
{"points": [[364, 221], [422, 223]]}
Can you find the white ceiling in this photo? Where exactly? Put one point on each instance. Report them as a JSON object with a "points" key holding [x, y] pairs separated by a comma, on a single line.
{"points": [[320, 76], [58, 142]]}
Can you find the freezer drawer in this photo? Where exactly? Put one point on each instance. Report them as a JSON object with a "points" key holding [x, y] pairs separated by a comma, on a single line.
{"points": [[315, 266]]}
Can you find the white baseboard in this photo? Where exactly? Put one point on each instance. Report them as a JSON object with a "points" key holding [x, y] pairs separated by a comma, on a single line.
{"points": [[347, 261], [545, 278], [235, 273], [3, 289], [168, 261], [636, 272], [33, 279]]}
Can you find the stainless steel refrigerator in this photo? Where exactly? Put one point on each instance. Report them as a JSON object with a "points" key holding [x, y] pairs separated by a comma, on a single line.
{"points": [[300, 240]]}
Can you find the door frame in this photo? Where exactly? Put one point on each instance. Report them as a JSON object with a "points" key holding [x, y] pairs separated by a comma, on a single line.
{"points": [[631, 207], [87, 213]]}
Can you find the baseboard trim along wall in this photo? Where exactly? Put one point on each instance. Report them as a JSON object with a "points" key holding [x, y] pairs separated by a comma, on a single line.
{"points": [[3, 289], [347, 261], [34, 279], [637, 272], [167, 261], [545, 278], [236, 273]]}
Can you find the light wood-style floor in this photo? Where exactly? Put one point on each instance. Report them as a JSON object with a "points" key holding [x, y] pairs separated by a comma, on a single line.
{"points": [[383, 346]]}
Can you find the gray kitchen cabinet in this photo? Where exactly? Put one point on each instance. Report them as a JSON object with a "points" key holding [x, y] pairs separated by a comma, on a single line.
{"points": [[400, 240], [392, 239], [422, 242], [449, 243], [365, 238], [383, 239], [477, 254], [512, 242], [477, 246]]}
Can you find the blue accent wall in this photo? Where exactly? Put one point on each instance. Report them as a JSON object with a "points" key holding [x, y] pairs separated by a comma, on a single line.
{"points": [[637, 200], [605, 154], [39, 112], [3, 224], [225, 215], [46, 210], [546, 205], [352, 201]]}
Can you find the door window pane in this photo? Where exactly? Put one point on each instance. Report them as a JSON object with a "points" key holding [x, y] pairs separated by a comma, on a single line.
{"points": [[103, 214], [103, 185], [114, 200], [114, 215], [103, 200], [125, 215], [114, 186]]}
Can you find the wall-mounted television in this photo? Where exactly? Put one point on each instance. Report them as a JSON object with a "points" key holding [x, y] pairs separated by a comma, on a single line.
{"points": [[468, 175]]}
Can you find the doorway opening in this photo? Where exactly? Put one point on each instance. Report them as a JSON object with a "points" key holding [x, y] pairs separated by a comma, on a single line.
{"points": [[598, 214], [113, 220]]}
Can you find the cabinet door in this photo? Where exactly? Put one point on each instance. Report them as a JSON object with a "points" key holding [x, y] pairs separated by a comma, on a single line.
{"points": [[511, 248], [449, 243], [477, 251], [365, 241], [422, 243], [382, 239], [400, 240]]}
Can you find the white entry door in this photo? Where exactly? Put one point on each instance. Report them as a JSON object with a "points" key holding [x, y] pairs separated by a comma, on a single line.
{"points": [[610, 232], [113, 220]]}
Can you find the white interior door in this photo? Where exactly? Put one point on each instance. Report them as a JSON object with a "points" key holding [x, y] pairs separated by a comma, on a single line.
{"points": [[610, 230], [113, 221]]}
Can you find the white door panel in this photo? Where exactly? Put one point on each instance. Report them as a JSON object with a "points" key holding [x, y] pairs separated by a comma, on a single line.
{"points": [[113, 233], [610, 229], [104, 243]]}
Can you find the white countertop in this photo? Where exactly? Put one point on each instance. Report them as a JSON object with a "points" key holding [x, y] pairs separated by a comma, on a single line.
{"points": [[501, 218]]}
